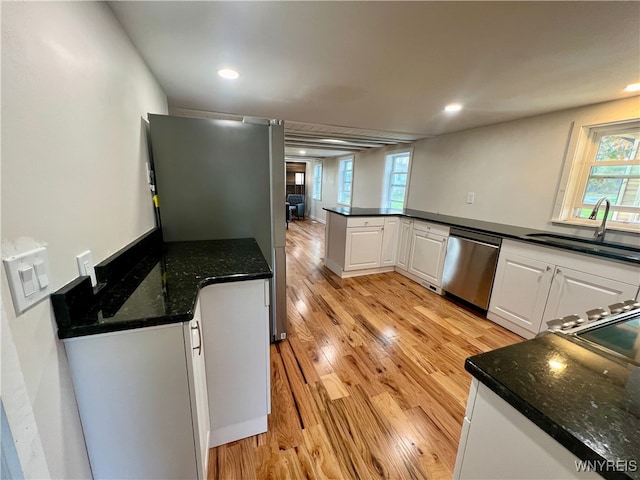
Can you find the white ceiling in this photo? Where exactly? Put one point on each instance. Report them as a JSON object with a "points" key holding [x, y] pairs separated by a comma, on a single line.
{"points": [[386, 69]]}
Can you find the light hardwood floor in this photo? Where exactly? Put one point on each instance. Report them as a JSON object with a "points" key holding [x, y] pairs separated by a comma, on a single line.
{"points": [[370, 382]]}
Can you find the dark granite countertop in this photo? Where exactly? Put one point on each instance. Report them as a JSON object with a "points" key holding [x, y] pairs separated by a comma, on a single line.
{"points": [[618, 252], [584, 399], [162, 288]]}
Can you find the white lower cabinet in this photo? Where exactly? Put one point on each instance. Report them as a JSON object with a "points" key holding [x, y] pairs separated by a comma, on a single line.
{"points": [[427, 250], [404, 243], [361, 245], [142, 400], [498, 442], [364, 246], [573, 291], [236, 340], [535, 284], [389, 254], [520, 290], [427, 256]]}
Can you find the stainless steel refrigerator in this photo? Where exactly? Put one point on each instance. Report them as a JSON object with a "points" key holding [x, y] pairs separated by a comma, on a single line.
{"points": [[221, 179]]}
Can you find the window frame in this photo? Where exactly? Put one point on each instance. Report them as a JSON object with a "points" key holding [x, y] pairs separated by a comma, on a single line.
{"points": [[388, 176], [584, 142], [317, 180], [341, 180]]}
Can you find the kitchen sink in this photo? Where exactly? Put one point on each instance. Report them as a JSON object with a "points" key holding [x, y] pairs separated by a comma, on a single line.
{"points": [[584, 243]]}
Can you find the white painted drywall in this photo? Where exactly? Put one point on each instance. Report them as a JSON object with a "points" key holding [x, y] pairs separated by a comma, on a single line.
{"points": [[329, 190], [513, 168], [368, 178], [74, 92]]}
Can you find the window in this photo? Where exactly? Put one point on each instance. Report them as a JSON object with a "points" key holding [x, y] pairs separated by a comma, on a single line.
{"points": [[317, 181], [607, 165], [345, 181], [396, 179]]}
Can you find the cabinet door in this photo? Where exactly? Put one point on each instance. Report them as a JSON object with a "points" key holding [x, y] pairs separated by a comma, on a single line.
{"points": [[390, 242], [520, 290], [404, 243], [235, 320], [194, 343], [133, 397], [576, 292], [427, 256], [364, 245]]}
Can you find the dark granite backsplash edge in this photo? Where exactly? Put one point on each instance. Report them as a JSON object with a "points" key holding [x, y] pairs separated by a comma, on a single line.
{"points": [[562, 436], [117, 265], [78, 297]]}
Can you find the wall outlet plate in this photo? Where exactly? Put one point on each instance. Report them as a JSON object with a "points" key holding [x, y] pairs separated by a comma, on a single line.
{"points": [[39, 284], [471, 196], [85, 266]]}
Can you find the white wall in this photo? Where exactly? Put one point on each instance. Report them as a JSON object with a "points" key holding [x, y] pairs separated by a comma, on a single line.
{"points": [[329, 189], [513, 168], [74, 91], [368, 178], [368, 174]]}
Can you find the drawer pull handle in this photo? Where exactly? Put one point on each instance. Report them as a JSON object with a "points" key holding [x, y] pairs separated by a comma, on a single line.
{"points": [[199, 347]]}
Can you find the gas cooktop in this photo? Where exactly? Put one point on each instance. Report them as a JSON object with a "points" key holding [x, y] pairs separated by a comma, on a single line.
{"points": [[615, 330]]}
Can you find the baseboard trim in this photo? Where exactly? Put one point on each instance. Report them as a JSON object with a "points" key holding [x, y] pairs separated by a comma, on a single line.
{"points": [[237, 431]]}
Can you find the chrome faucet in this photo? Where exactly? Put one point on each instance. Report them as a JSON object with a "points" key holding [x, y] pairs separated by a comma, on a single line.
{"points": [[600, 229]]}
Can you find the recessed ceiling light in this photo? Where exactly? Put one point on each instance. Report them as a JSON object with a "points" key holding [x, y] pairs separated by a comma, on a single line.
{"points": [[228, 73], [302, 152], [454, 107], [634, 87], [333, 140]]}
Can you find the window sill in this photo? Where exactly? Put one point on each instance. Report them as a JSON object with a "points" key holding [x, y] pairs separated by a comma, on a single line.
{"points": [[592, 224]]}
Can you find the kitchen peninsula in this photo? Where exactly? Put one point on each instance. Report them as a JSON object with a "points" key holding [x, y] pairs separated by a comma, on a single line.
{"points": [[539, 275]]}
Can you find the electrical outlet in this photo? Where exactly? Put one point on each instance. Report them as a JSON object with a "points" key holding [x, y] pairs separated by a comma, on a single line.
{"points": [[85, 266], [471, 196]]}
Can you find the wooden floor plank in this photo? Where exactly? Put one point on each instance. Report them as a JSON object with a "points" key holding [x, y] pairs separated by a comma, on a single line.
{"points": [[370, 382], [299, 389]]}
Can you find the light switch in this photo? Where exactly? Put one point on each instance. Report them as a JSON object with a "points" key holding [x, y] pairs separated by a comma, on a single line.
{"points": [[41, 273], [27, 280]]}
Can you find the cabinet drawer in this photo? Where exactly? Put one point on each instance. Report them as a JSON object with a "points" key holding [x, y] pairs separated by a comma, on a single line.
{"points": [[431, 228], [365, 222]]}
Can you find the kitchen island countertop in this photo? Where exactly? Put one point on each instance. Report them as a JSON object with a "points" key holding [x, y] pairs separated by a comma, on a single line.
{"points": [[585, 400], [161, 288]]}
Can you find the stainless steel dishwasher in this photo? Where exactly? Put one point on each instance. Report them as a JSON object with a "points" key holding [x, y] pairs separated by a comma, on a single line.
{"points": [[469, 266]]}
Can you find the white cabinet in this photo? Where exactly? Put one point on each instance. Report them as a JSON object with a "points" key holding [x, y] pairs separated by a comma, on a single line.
{"points": [[196, 370], [520, 290], [141, 401], [364, 246], [428, 248], [236, 340], [573, 291], [498, 442], [389, 253], [404, 243], [536, 284], [360, 245]]}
